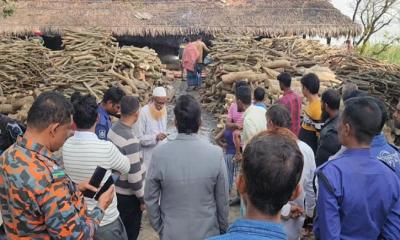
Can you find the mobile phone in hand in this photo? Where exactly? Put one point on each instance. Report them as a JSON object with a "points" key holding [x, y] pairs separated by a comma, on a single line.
{"points": [[110, 181], [95, 181]]}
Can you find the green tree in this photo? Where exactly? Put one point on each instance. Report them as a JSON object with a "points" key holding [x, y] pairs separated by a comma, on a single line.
{"points": [[374, 16], [7, 8]]}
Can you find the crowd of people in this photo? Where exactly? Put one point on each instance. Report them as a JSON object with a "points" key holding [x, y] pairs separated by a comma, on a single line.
{"points": [[331, 167]]}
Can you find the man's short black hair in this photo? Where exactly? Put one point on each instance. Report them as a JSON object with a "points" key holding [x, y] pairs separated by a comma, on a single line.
{"points": [[259, 94], [384, 112], [243, 94], [129, 105], [279, 115], [272, 167], [114, 94], [353, 94], [311, 82], [241, 83], [187, 114], [285, 79], [86, 111], [50, 107], [364, 117], [331, 98], [74, 96]]}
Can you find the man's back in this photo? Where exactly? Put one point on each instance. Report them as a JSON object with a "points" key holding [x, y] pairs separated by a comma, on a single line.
{"points": [[82, 153], [293, 102], [383, 151], [191, 175], [364, 192], [254, 121]]}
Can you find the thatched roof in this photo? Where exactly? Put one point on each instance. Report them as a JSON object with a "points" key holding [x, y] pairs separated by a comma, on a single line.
{"points": [[182, 17]]}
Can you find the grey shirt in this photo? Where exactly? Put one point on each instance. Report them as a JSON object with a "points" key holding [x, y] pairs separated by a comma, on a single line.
{"points": [[186, 190]]}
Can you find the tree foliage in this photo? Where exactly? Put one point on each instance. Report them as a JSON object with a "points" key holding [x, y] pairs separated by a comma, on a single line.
{"points": [[7, 8], [374, 16]]}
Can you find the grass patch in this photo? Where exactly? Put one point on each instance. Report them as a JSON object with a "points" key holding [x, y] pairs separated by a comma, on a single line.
{"points": [[391, 55]]}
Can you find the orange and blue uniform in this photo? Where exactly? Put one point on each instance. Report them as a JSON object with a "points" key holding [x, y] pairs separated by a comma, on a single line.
{"points": [[38, 200]]}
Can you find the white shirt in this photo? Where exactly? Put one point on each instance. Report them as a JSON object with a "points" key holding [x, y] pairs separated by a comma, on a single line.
{"points": [[254, 121], [147, 129], [82, 153], [293, 226]]}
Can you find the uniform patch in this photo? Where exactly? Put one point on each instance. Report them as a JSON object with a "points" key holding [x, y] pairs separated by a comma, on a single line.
{"points": [[102, 134]]}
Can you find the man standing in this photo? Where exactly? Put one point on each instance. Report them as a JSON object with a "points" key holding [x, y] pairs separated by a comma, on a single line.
{"points": [[272, 165], [186, 190], [358, 196], [254, 120], [295, 211], [83, 152], [189, 64], [312, 113], [129, 187], [201, 47], [380, 148], [259, 97], [110, 105], [152, 125], [329, 141], [38, 200], [291, 100]]}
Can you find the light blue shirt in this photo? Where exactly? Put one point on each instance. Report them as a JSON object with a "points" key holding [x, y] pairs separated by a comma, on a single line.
{"points": [[246, 229]]}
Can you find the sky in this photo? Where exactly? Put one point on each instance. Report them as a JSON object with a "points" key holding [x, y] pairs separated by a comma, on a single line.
{"points": [[345, 7]]}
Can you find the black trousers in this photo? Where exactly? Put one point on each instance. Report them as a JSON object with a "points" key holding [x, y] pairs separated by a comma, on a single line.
{"points": [[130, 213], [309, 137]]}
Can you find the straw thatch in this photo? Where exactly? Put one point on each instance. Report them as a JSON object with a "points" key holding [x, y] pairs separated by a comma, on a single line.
{"points": [[182, 17]]}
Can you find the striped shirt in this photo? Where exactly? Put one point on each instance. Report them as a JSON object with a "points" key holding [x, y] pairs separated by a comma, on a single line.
{"points": [[234, 116], [129, 145], [82, 153]]}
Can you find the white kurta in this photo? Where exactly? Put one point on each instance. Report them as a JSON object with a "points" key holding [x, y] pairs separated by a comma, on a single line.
{"points": [[147, 129]]}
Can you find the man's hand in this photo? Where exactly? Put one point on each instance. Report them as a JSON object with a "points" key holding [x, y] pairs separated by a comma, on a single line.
{"points": [[106, 198], [161, 136], [83, 186], [296, 211], [142, 207], [238, 126], [238, 157]]}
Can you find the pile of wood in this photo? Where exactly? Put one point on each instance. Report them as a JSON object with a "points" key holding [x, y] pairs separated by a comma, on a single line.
{"points": [[378, 78], [90, 62], [260, 62], [24, 67]]}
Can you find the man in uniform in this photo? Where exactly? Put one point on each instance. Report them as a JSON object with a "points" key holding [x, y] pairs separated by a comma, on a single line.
{"points": [[37, 199], [110, 105]]}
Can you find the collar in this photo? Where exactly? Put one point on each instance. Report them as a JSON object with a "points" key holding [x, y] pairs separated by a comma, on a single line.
{"points": [[379, 140], [289, 91], [103, 112], [330, 120], [123, 125], [85, 135], [184, 136], [261, 228], [36, 147]]}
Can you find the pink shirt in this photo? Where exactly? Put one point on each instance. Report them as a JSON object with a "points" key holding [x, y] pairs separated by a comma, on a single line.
{"points": [[235, 116]]}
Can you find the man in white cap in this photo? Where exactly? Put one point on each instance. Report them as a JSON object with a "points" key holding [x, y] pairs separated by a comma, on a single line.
{"points": [[152, 124]]}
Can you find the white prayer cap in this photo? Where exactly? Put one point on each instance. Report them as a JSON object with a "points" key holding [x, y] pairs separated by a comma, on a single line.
{"points": [[159, 92]]}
